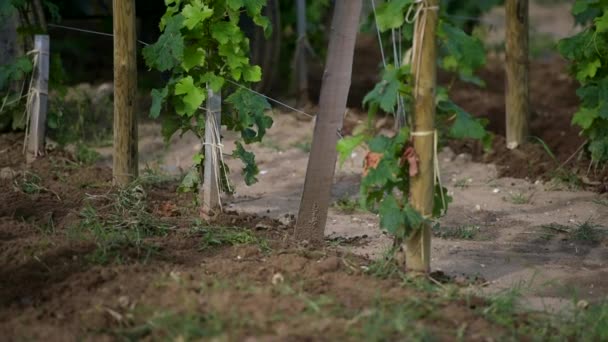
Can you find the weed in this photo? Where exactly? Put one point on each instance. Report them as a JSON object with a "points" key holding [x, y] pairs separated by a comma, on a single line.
{"points": [[465, 232], [271, 144], [31, 184], [303, 146], [176, 327], [86, 155], [562, 178], [583, 232], [347, 205], [120, 226], [601, 201], [518, 198], [152, 176], [463, 183], [229, 236], [387, 321], [586, 232]]}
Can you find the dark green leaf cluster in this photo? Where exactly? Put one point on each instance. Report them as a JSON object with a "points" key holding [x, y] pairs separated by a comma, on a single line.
{"points": [[204, 48], [587, 51]]}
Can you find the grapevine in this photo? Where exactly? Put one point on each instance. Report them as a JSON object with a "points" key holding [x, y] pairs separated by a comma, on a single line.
{"points": [[385, 186], [587, 51], [203, 47]]}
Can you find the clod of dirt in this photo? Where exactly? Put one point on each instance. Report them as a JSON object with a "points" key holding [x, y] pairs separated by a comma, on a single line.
{"points": [[328, 265]]}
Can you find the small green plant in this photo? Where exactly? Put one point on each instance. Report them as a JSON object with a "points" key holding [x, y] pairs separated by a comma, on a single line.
{"points": [[518, 198], [86, 155], [465, 232], [303, 146], [582, 232], [463, 183], [601, 201], [272, 144], [229, 236], [563, 178], [172, 326], [29, 183], [120, 226], [347, 205], [586, 232]]}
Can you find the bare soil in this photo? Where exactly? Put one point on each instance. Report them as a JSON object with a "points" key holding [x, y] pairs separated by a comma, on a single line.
{"points": [[271, 289]]}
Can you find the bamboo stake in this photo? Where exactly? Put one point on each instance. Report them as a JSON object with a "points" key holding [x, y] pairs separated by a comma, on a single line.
{"points": [[517, 87], [210, 187], [418, 246], [125, 92], [38, 107], [312, 216]]}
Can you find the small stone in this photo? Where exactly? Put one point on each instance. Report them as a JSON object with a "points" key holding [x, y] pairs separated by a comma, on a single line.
{"points": [[262, 226], [277, 278], [582, 304], [7, 173]]}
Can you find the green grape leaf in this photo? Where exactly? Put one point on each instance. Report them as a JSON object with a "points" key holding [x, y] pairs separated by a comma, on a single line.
{"points": [[193, 95], [391, 14], [158, 98], [601, 23], [462, 53], [391, 217], [413, 219], [465, 126], [197, 159], [15, 71], [347, 145], [193, 56], [250, 170], [234, 5], [588, 70], [252, 74], [226, 31], [249, 111], [191, 181], [386, 92], [196, 14], [584, 117], [441, 200], [215, 82], [168, 51]]}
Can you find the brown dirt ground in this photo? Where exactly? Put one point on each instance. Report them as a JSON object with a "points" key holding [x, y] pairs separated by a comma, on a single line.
{"points": [[51, 289], [553, 102]]}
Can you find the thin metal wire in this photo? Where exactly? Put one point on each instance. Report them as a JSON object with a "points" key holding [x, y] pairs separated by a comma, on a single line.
{"points": [[105, 34], [378, 32], [271, 99], [229, 81]]}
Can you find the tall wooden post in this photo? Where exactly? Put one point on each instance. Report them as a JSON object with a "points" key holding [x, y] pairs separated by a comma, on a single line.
{"points": [[312, 216], [418, 246], [39, 98], [210, 189], [125, 92], [302, 67], [517, 87]]}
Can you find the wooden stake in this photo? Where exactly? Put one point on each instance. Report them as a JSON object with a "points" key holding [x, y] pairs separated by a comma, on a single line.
{"points": [[125, 92], [517, 87], [209, 188], [301, 65], [312, 216], [418, 246], [38, 107]]}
